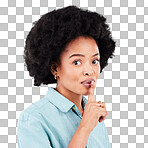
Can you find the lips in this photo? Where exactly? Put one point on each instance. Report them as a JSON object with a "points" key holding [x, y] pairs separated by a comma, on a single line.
{"points": [[88, 81]]}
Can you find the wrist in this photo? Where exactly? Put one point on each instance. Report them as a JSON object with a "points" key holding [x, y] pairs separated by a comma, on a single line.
{"points": [[84, 129]]}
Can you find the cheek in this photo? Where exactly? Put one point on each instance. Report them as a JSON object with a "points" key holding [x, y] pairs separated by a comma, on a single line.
{"points": [[70, 72], [73, 74], [97, 71]]}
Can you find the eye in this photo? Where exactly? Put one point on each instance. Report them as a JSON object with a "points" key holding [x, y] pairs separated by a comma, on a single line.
{"points": [[76, 62], [97, 60]]}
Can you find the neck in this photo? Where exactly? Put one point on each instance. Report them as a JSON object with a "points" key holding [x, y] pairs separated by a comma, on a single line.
{"points": [[75, 98]]}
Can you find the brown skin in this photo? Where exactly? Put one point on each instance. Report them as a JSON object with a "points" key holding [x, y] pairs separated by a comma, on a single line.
{"points": [[93, 113], [71, 73]]}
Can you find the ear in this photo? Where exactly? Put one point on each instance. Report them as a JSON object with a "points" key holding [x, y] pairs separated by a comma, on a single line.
{"points": [[53, 68]]}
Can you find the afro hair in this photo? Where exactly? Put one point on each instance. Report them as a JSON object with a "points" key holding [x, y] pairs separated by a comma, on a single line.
{"points": [[49, 36]]}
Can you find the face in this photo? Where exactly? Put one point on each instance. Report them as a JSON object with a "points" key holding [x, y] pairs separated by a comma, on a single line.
{"points": [[71, 71]]}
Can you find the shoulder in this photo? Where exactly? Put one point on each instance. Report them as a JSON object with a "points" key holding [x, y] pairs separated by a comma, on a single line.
{"points": [[34, 109]]}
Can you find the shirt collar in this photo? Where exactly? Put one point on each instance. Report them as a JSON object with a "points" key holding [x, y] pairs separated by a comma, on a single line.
{"points": [[60, 101]]}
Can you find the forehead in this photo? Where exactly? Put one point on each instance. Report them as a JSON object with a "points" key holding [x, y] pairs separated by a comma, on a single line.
{"points": [[84, 45]]}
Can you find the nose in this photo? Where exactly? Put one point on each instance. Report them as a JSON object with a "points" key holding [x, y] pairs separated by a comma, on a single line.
{"points": [[88, 70]]}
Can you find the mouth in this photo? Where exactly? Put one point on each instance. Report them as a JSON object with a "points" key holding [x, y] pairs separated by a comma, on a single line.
{"points": [[87, 85], [88, 81]]}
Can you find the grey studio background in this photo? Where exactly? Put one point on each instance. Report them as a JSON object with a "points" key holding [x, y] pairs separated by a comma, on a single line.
{"points": [[123, 84]]}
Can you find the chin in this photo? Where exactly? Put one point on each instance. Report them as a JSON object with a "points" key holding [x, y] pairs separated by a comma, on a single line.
{"points": [[85, 92]]}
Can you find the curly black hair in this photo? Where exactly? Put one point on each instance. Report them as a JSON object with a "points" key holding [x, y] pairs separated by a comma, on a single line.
{"points": [[54, 30]]}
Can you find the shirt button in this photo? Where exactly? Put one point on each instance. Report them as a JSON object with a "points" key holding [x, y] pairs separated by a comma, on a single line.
{"points": [[74, 108]]}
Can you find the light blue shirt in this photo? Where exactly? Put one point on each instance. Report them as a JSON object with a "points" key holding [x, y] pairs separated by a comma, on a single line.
{"points": [[52, 122]]}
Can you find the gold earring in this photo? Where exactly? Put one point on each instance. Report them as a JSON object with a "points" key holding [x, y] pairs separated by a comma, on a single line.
{"points": [[55, 76]]}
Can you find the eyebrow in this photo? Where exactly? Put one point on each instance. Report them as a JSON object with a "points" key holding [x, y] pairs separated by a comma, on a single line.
{"points": [[82, 55]]}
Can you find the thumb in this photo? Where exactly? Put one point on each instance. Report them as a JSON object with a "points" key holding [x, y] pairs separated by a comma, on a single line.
{"points": [[91, 92]]}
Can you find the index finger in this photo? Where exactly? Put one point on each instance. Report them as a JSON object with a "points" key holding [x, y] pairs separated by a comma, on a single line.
{"points": [[91, 94]]}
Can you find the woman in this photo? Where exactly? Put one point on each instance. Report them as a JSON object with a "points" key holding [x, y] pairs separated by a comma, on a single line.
{"points": [[70, 47]]}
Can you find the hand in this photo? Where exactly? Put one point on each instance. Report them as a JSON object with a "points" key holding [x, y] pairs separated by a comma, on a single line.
{"points": [[94, 111]]}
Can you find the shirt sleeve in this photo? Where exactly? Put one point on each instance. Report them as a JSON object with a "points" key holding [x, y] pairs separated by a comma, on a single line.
{"points": [[31, 132]]}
